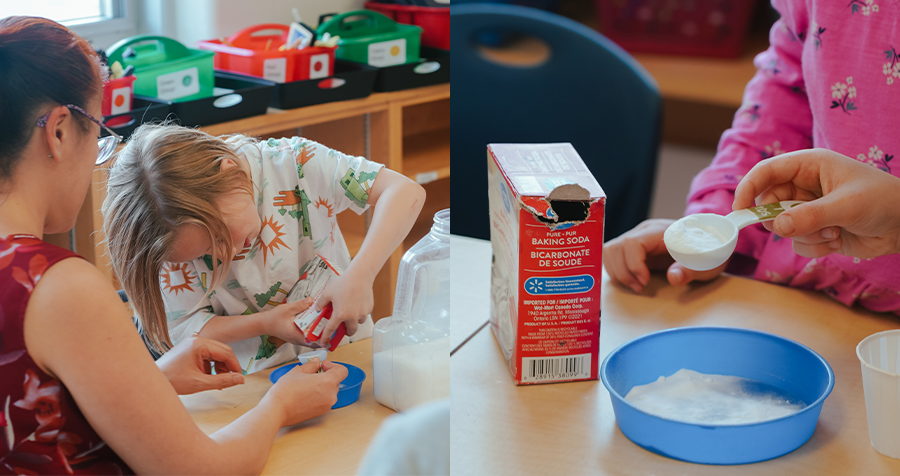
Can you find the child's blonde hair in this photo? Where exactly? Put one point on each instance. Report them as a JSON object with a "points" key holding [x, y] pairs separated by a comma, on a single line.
{"points": [[166, 176]]}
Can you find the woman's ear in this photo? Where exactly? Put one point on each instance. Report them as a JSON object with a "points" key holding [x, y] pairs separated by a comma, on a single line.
{"points": [[54, 131]]}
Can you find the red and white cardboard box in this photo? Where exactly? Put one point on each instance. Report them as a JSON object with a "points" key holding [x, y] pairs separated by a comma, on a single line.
{"points": [[546, 212], [312, 284]]}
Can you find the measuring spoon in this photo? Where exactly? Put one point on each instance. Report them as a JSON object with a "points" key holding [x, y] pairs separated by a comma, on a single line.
{"points": [[728, 226]]}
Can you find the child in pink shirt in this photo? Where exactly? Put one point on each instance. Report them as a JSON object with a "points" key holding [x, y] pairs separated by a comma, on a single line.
{"points": [[830, 79]]}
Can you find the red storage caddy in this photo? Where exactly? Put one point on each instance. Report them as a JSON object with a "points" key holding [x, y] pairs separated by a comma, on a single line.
{"points": [[434, 21], [247, 53], [117, 95]]}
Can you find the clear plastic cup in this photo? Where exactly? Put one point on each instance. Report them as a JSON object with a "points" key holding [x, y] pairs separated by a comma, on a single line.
{"points": [[879, 356]]}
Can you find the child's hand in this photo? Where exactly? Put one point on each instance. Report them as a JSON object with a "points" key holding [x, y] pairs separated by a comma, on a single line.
{"points": [[351, 299], [851, 206], [303, 393], [630, 257], [279, 322]]}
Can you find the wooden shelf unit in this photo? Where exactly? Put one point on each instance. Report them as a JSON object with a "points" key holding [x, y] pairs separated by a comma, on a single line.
{"points": [[426, 156], [381, 137]]}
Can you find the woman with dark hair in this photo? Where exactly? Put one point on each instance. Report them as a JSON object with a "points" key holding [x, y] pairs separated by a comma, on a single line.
{"points": [[79, 392]]}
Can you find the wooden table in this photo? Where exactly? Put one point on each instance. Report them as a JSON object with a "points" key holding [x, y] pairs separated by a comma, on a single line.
{"points": [[334, 443], [569, 428], [470, 261]]}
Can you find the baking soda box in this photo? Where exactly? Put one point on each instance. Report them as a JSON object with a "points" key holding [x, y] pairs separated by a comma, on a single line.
{"points": [[547, 239]]}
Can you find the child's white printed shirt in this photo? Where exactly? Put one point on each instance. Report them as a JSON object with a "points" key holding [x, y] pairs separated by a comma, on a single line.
{"points": [[300, 187]]}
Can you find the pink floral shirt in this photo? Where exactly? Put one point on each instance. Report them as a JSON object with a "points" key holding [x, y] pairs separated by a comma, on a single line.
{"points": [[42, 431], [830, 79]]}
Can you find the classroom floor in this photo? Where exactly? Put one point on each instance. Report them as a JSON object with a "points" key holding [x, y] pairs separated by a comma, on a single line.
{"points": [[678, 164]]}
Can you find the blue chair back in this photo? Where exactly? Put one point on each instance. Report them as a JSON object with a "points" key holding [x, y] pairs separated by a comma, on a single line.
{"points": [[588, 92]]}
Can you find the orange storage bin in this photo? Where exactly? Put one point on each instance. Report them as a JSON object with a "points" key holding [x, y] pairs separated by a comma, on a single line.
{"points": [[251, 51]]}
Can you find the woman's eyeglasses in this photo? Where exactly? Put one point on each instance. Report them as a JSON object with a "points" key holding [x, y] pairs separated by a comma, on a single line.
{"points": [[107, 144]]}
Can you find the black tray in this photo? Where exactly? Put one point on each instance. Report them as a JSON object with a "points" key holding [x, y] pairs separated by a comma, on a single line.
{"points": [[350, 81], [248, 99], [143, 110], [433, 68]]}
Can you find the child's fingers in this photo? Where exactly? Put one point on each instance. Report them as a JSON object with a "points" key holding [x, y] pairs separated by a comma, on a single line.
{"points": [[761, 177], [301, 305], [821, 236], [618, 270], [306, 368], [818, 249], [623, 274], [635, 259], [679, 275], [323, 301], [336, 371], [332, 327], [777, 193]]}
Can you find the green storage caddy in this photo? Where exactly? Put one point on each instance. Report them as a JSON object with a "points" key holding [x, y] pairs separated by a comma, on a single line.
{"points": [[372, 38], [165, 68]]}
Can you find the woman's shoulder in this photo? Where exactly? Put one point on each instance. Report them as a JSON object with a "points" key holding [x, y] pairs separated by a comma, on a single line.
{"points": [[28, 250]]}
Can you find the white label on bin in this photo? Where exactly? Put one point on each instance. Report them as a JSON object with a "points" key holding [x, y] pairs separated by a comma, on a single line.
{"points": [[275, 69], [387, 53], [318, 66], [121, 101], [178, 84]]}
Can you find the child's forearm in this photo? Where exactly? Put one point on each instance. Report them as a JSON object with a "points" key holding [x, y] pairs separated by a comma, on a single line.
{"points": [[234, 328], [397, 202]]}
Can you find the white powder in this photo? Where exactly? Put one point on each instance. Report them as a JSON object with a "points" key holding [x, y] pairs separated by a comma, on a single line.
{"points": [[693, 397], [414, 374], [690, 235]]}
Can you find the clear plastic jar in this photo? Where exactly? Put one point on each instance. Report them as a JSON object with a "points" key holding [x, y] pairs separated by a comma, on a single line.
{"points": [[411, 349]]}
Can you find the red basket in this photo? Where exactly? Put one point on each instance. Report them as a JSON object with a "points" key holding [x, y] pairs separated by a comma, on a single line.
{"points": [[247, 54], [681, 27], [118, 95], [435, 21]]}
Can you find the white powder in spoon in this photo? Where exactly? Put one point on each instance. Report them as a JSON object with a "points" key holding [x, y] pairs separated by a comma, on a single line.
{"points": [[690, 235]]}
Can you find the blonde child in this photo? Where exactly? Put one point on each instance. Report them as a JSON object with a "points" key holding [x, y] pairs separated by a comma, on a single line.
{"points": [[209, 234]]}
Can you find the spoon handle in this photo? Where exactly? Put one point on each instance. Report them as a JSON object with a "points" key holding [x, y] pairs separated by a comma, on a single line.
{"points": [[769, 211]]}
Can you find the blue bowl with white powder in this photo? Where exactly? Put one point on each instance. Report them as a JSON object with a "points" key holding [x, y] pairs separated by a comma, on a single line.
{"points": [[348, 392], [772, 365]]}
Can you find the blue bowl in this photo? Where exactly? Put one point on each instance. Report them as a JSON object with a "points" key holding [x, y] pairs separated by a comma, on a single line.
{"points": [[350, 386], [759, 356]]}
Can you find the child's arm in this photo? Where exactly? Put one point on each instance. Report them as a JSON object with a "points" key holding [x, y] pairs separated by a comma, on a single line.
{"points": [[181, 300], [397, 201], [775, 118], [278, 322]]}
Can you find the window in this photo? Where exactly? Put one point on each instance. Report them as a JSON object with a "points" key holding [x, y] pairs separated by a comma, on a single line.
{"points": [[102, 22], [67, 12]]}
